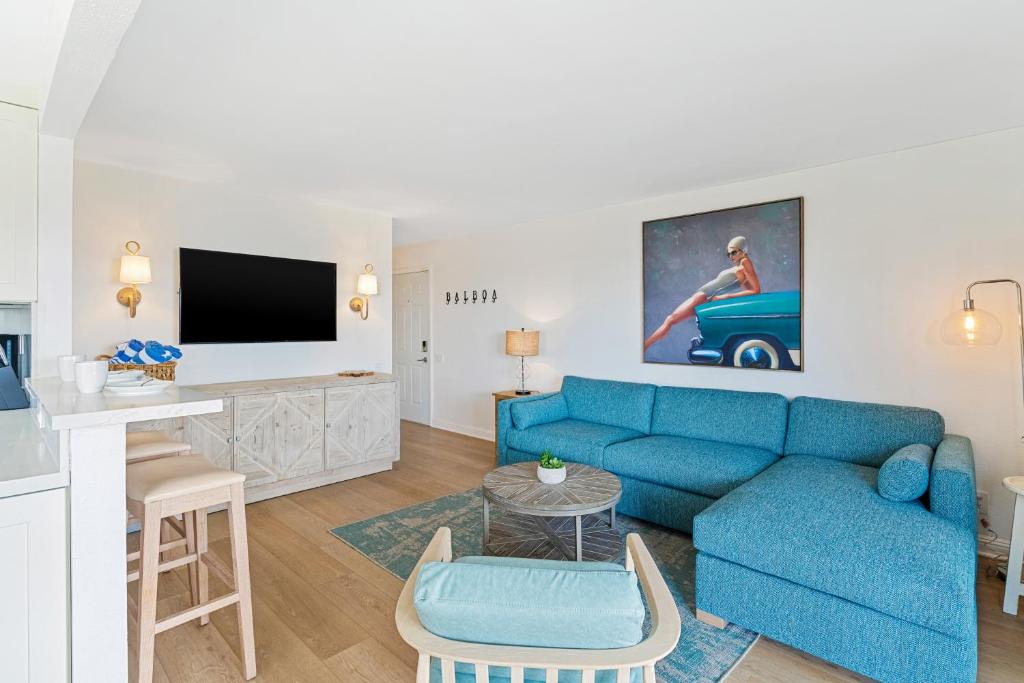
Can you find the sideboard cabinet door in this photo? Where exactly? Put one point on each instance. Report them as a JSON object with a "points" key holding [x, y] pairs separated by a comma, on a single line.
{"points": [[212, 435], [18, 144], [256, 438], [380, 421], [344, 426], [33, 588], [300, 433]]}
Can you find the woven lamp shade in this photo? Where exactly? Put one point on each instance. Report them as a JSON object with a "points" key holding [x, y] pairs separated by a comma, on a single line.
{"points": [[522, 342]]}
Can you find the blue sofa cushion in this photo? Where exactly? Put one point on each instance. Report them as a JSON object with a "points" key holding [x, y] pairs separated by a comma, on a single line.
{"points": [[820, 523], [572, 440], [904, 476], [620, 404], [526, 414], [738, 417], [466, 673], [549, 606], [863, 433], [951, 489], [706, 467]]}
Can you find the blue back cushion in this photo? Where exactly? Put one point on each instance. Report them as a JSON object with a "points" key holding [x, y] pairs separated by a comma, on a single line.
{"points": [[526, 414], [740, 418], [620, 404], [534, 606], [862, 433]]}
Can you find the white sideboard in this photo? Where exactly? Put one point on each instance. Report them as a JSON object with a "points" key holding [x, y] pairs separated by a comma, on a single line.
{"points": [[287, 435]]}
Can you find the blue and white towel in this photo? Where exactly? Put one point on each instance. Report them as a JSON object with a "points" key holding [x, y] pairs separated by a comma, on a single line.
{"points": [[151, 352]]}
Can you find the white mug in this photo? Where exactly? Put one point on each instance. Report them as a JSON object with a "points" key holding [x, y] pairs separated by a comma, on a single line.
{"points": [[91, 376], [66, 366]]}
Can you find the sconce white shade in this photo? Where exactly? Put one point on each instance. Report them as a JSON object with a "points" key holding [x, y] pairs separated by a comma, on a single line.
{"points": [[367, 284], [135, 270]]}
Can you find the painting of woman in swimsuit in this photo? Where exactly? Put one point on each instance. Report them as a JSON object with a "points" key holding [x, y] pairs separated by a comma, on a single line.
{"points": [[681, 253]]}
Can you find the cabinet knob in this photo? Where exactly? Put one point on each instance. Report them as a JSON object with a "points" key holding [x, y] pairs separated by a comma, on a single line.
{"points": [[229, 439], [327, 424]]}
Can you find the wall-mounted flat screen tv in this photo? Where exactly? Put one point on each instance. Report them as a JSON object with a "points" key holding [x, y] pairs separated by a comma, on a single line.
{"points": [[230, 298]]}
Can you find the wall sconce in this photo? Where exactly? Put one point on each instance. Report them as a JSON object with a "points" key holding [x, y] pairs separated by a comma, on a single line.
{"points": [[134, 271], [366, 287]]}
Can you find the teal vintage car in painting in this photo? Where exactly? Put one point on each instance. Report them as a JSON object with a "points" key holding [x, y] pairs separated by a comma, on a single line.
{"points": [[756, 331]]}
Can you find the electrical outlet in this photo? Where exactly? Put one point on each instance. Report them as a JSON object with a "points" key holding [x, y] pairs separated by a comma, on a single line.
{"points": [[981, 502]]}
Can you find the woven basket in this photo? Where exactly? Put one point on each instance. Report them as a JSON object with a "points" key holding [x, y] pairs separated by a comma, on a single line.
{"points": [[161, 371]]}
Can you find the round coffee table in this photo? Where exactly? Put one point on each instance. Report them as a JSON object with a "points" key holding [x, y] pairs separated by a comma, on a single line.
{"points": [[546, 518]]}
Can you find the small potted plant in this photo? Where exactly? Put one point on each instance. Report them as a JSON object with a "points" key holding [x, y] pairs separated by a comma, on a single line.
{"points": [[550, 470]]}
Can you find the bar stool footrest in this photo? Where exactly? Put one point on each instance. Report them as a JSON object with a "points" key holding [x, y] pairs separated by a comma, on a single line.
{"points": [[196, 612]]}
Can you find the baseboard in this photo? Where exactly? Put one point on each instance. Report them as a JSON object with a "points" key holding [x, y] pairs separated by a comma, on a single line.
{"points": [[476, 432], [995, 547]]}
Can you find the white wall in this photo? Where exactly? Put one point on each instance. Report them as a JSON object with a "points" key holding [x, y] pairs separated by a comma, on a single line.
{"points": [[114, 205], [51, 336], [890, 242]]}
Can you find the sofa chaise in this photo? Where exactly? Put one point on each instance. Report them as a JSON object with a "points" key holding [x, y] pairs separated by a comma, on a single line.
{"points": [[794, 539]]}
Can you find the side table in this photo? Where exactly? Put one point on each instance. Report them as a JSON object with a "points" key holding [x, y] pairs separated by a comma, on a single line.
{"points": [[1014, 587], [500, 396]]}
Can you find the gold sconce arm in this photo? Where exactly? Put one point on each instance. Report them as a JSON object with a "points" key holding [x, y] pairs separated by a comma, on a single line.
{"points": [[360, 305], [129, 296]]}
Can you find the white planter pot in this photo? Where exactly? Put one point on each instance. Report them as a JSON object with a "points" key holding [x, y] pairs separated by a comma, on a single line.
{"points": [[549, 476]]}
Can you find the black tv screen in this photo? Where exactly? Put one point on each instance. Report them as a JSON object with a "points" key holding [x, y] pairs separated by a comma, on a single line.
{"points": [[240, 298]]}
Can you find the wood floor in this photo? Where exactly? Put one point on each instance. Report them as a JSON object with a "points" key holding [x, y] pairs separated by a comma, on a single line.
{"points": [[323, 612]]}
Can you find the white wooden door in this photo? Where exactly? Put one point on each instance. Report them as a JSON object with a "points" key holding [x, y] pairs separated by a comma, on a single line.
{"points": [[33, 588], [212, 436], [412, 344], [344, 426], [18, 144]]}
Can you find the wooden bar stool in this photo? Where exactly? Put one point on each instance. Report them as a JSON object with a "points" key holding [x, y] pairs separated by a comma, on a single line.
{"points": [[145, 445], [187, 485]]}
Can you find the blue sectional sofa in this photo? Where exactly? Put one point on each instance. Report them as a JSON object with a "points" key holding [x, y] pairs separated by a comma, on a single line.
{"points": [[794, 539]]}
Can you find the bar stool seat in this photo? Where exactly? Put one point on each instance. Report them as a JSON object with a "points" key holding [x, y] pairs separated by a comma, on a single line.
{"points": [[155, 480], [186, 485], [151, 444]]}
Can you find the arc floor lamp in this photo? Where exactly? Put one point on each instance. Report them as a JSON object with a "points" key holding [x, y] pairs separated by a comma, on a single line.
{"points": [[975, 327]]}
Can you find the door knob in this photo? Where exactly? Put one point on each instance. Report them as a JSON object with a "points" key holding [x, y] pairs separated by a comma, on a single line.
{"points": [[421, 360]]}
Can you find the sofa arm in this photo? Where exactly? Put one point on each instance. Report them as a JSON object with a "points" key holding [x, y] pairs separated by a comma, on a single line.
{"points": [[505, 422], [951, 491]]}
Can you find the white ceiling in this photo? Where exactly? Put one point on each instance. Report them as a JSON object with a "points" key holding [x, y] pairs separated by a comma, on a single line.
{"points": [[30, 35], [464, 115]]}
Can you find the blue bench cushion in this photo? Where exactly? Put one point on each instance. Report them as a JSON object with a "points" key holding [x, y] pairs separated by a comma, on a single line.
{"points": [[572, 440], [526, 414], [904, 476], [821, 523], [620, 404], [738, 417], [706, 467], [533, 606], [864, 433], [465, 673]]}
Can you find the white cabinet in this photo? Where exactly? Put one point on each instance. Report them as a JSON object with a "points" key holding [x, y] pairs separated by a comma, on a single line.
{"points": [[18, 145], [33, 588]]}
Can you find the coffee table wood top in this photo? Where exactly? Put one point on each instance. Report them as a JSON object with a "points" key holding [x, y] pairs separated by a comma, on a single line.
{"points": [[585, 490]]}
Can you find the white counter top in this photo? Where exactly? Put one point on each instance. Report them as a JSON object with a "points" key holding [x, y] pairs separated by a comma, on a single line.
{"points": [[285, 384], [26, 464], [65, 408]]}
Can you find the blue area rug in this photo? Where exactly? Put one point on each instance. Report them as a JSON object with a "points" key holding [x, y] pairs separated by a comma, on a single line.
{"points": [[396, 540]]}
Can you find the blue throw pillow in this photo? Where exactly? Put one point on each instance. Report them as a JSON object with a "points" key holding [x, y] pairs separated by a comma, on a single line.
{"points": [[904, 476], [532, 606], [526, 414]]}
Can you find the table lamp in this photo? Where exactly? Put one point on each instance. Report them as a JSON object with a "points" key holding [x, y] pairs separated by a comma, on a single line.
{"points": [[522, 343]]}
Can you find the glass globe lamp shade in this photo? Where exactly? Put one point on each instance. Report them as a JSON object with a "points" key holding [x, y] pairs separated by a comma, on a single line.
{"points": [[971, 327]]}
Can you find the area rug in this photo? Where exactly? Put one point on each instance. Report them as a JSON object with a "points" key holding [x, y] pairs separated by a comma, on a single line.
{"points": [[396, 540]]}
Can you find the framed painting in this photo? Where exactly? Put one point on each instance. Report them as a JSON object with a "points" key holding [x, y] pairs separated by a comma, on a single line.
{"points": [[725, 288]]}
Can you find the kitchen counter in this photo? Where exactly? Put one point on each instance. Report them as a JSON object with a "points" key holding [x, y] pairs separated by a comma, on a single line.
{"points": [[27, 463], [87, 433]]}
